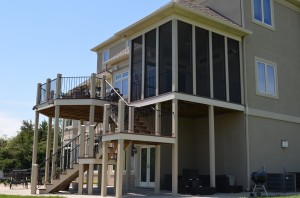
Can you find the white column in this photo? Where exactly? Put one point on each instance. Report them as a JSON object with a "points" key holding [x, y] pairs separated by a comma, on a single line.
{"points": [[103, 88], [47, 164], [128, 167], [80, 178], [131, 120], [226, 70], [212, 165], [158, 119], [36, 126], [120, 168], [90, 179], [81, 140], [157, 63], [211, 69], [72, 154], [34, 177], [121, 113], [104, 152], [143, 67], [55, 141], [157, 169], [194, 60], [99, 176], [174, 56], [93, 86], [48, 89], [104, 168], [175, 147]]}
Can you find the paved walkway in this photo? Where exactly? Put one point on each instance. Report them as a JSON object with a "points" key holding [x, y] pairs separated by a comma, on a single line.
{"points": [[136, 192]]}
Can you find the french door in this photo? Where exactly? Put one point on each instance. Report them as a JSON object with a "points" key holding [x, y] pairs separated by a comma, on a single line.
{"points": [[147, 164]]}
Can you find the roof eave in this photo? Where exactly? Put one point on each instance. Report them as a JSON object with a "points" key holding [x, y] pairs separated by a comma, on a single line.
{"points": [[167, 10]]}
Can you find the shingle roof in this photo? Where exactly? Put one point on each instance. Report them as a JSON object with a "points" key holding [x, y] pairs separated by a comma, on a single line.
{"points": [[119, 55], [196, 6]]}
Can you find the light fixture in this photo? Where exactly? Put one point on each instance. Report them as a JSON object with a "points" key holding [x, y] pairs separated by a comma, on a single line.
{"points": [[284, 144]]}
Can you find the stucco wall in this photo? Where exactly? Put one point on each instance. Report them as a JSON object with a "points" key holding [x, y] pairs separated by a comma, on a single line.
{"points": [[281, 46], [193, 146], [265, 145]]}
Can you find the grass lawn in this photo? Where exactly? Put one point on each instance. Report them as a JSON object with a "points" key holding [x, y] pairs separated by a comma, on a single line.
{"points": [[17, 196]]}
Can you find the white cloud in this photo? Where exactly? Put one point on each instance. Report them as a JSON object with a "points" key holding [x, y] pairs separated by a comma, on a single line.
{"points": [[9, 124]]}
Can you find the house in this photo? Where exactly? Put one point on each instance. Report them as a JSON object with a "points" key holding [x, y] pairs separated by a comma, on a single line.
{"points": [[205, 86]]}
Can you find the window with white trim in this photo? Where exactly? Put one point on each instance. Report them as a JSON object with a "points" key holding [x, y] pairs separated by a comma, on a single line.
{"points": [[121, 82], [105, 55], [263, 11], [266, 73]]}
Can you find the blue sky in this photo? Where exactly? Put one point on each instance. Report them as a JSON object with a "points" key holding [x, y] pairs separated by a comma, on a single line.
{"points": [[39, 39]]}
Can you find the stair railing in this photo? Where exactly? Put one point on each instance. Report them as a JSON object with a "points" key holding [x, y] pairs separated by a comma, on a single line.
{"points": [[59, 158]]}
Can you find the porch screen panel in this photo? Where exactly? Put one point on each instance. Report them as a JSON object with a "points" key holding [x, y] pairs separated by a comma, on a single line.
{"points": [[234, 71], [185, 67], [219, 75], [150, 61], [165, 58], [136, 68], [202, 63]]}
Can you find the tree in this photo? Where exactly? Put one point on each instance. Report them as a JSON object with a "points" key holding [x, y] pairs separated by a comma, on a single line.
{"points": [[16, 152]]}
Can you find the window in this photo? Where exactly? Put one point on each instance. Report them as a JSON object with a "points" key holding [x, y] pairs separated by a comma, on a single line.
{"points": [[202, 62], [121, 82], [185, 65], [266, 78], [165, 58], [136, 68], [234, 70], [150, 64], [219, 73], [262, 12], [105, 55]]}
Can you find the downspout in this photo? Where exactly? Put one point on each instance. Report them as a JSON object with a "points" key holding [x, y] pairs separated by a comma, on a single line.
{"points": [[245, 100]]}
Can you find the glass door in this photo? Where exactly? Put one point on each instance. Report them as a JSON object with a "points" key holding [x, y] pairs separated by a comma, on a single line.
{"points": [[147, 174]]}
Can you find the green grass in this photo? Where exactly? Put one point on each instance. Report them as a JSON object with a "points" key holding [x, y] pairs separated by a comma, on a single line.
{"points": [[17, 196]]}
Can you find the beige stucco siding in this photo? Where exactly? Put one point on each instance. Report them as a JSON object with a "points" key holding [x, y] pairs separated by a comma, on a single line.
{"points": [[265, 137], [281, 46]]}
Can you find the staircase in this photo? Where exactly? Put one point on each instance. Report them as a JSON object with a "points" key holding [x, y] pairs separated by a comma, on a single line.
{"points": [[63, 181]]}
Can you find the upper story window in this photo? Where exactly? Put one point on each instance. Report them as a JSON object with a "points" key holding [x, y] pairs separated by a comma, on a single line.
{"points": [[266, 73], [263, 12], [105, 55], [121, 82], [68, 122]]}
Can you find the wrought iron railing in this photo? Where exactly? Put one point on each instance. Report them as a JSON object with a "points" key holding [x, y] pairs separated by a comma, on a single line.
{"points": [[65, 157], [75, 87], [71, 88], [144, 117]]}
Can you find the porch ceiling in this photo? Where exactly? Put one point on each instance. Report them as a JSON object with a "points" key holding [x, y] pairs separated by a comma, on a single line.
{"points": [[75, 112]]}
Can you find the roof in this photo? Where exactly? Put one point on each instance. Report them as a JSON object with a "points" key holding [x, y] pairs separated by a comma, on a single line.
{"points": [[189, 8], [119, 56], [198, 7]]}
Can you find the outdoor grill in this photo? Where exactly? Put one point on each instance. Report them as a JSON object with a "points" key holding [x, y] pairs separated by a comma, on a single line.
{"points": [[259, 179]]}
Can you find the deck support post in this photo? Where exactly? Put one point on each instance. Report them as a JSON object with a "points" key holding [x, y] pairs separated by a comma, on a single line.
{"points": [[47, 164], [175, 147], [212, 164], [157, 119], [120, 168], [80, 179], [55, 142], [104, 152], [128, 167], [103, 88], [157, 169], [121, 117]]}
